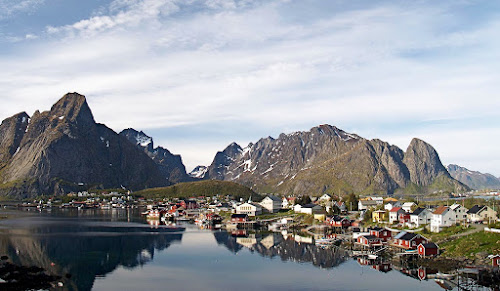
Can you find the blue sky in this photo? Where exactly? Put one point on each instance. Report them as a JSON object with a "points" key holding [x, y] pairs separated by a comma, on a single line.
{"points": [[199, 74]]}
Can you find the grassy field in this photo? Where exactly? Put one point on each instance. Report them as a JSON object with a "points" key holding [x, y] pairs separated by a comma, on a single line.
{"points": [[445, 233], [472, 244], [201, 188]]}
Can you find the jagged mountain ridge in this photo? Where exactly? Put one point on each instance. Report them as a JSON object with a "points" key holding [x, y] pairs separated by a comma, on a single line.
{"points": [[170, 165], [64, 150], [474, 179], [199, 172], [328, 159]]}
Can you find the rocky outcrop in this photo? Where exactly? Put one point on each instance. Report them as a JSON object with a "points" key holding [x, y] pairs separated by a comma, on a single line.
{"points": [[473, 179], [423, 163], [64, 150], [328, 159], [170, 165], [199, 172]]}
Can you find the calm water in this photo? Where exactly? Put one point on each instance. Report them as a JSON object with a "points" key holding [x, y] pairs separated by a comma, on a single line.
{"points": [[118, 250]]}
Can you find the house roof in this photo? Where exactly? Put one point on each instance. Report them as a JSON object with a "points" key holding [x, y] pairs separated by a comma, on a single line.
{"points": [[418, 211], [475, 209], [408, 204], [368, 202], [390, 199], [274, 198], [408, 236], [395, 209], [310, 205], [440, 209], [369, 237], [430, 245], [377, 229], [455, 206], [239, 215]]}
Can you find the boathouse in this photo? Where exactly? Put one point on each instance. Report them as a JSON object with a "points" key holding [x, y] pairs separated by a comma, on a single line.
{"points": [[383, 234], [408, 240], [428, 250], [238, 218], [369, 241]]}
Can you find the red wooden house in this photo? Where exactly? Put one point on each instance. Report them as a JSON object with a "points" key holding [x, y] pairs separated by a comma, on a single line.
{"points": [[369, 241], [404, 218], [495, 260], [428, 249], [237, 218], [338, 221], [408, 240], [382, 233]]}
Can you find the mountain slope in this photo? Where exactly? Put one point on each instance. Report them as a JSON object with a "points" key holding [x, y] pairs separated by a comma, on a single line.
{"points": [[328, 159], [170, 165], [63, 150], [474, 179]]}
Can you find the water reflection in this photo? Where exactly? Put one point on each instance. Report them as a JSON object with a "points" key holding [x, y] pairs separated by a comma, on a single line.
{"points": [[93, 246], [83, 249]]}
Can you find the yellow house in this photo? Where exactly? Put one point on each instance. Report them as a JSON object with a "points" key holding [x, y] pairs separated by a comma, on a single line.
{"points": [[379, 216]]}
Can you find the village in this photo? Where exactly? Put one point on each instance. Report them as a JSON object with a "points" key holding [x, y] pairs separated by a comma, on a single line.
{"points": [[369, 226]]}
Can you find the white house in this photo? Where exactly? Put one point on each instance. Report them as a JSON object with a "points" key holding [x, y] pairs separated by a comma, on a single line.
{"points": [[445, 216], [308, 208], [421, 216], [378, 200], [325, 198], [389, 205], [285, 204], [394, 214], [249, 208], [408, 205], [365, 204], [271, 204], [481, 213]]}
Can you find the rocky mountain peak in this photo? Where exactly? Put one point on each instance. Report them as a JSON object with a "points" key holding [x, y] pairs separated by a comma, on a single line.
{"points": [[170, 165], [73, 107], [199, 172], [423, 163]]}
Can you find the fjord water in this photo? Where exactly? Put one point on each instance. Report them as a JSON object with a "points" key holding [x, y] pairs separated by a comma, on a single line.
{"points": [[118, 250]]}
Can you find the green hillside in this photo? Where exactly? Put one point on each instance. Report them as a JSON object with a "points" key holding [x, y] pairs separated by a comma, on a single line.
{"points": [[201, 188]]}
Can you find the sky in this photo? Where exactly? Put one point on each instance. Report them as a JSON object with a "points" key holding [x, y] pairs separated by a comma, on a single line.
{"points": [[197, 75]]}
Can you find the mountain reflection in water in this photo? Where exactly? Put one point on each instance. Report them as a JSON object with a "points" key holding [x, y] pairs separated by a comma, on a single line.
{"points": [[124, 252], [83, 249]]}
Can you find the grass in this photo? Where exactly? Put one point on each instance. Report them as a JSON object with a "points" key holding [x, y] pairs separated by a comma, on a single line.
{"points": [[472, 244], [445, 233], [202, 188]]}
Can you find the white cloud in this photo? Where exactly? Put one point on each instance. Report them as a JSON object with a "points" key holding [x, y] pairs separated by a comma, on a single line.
{"points": [[9, 8], [251, 65]]}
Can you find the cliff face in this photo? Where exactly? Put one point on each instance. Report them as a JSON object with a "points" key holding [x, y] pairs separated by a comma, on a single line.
{"points": [[63, 150], [328, 159], [170, 165]]}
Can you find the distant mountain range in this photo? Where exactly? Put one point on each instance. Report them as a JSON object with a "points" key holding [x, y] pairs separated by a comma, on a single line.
{"points": [[64, 149], [473, 179], [328, 159]]}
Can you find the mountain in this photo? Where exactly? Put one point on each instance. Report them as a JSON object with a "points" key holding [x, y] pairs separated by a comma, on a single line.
{"points": [[170, 165], [64, 149], [199, 172], [328, 159], [473, 179]]}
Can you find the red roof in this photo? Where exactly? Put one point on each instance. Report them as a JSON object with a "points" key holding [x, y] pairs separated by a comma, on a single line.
{"points": [[395, 209], [440, 209]]}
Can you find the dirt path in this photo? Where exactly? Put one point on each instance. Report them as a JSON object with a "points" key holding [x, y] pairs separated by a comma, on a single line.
{"points": [[475, 228]]}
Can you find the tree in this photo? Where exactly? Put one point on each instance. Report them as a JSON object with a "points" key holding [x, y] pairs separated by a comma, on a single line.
{"points": [[303, 200], [352, 202]]}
